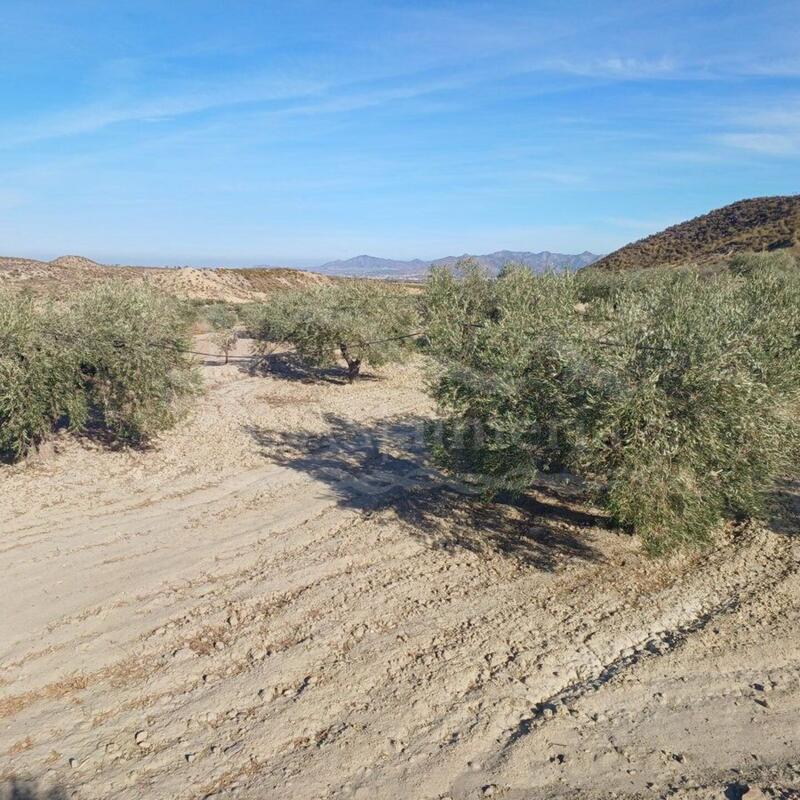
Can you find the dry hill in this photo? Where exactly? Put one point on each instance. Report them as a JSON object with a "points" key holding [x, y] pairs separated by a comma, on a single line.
{"points": [[761, 223], [233, 285]]}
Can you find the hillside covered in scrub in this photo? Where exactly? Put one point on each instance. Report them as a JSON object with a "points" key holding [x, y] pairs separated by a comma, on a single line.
{"points": [[761, 223]]}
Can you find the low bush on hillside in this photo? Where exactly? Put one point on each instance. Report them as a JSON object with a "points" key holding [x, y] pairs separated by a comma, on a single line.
{"points": [[673, 400], [114, 356], [357, 322]]}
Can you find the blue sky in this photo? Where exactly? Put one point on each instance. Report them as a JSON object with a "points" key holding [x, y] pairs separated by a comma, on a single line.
{"points": [[292, 133]]}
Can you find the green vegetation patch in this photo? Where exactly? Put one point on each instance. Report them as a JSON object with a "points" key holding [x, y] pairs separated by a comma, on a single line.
{"points": [[113, 357], [358, 322], [674, 399]]}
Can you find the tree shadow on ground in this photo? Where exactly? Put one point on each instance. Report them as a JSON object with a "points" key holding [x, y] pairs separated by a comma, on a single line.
{"points": [[785, 516], [383, 465], [22, 789], [290, 367]]}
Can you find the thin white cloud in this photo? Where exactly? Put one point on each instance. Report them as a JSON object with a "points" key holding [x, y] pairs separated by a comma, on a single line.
{"points": [[770, 144], [615, 67], [355, 101], [96, 116]]}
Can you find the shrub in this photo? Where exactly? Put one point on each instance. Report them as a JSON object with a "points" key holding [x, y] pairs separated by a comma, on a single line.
{"points": [[508, 353], [605, 284], [357, 321], [695, 418], [747, 263], [132, 343], [40, 381], [115, 353], [673, 399]]}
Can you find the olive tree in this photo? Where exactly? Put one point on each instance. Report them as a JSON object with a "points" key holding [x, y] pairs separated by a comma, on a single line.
{"points": [[674, 401], [132, 343], [40, 378], [115, 355], [357, 322]]}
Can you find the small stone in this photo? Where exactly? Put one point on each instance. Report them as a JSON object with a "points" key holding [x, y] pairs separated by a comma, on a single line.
{"points": [[73, 762], [140, 738], [489, 790], [190, 757], [548, 712], [219, 645]]}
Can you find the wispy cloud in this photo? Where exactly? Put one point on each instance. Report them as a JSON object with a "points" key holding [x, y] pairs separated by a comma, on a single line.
{"points": [[101, 114], [764, 128], [614, 67], [769, 144]]}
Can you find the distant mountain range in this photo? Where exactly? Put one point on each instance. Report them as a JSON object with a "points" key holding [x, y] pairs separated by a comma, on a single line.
{"points": [[373, 267]]}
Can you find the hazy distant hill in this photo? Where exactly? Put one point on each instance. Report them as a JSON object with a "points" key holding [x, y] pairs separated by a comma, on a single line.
{"points": [[370, 266], [762, 223]]}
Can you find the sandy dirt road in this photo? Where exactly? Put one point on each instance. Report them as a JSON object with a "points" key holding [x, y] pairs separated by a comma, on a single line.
{"points": [[282, 600]]}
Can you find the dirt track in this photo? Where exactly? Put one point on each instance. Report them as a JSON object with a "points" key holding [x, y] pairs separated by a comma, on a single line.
{"points": [[282, 601]]}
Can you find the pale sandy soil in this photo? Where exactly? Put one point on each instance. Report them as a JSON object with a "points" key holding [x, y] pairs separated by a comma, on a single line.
{"points": [[281, 600]]}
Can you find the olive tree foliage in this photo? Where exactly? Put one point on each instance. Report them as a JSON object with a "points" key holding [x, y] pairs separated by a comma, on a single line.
{"points": [[747, 263], [675, 401], [133, 343], [509, 368], [113, 356], [40, 378], [358, 322]]}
